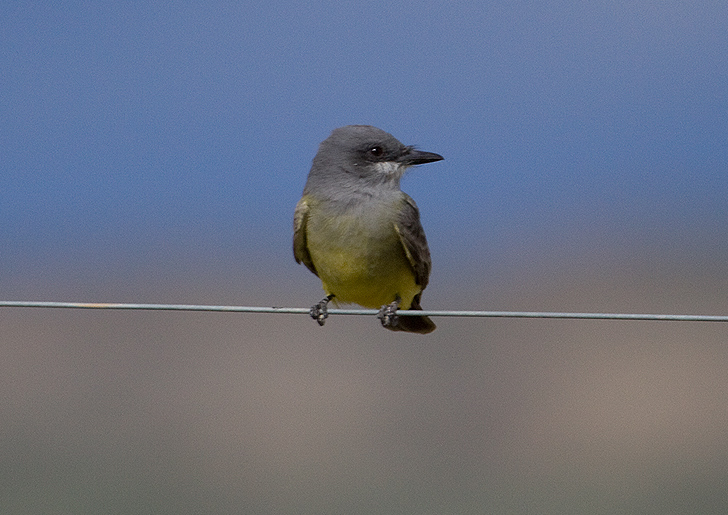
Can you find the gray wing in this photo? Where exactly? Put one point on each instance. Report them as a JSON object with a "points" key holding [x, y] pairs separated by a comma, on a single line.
{"points": [[300, 243], [412, 236]]}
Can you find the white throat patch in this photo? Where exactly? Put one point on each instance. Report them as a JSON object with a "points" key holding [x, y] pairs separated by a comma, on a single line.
{"points": [[390, 168]]}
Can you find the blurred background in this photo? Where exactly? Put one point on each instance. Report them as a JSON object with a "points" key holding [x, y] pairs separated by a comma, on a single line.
{"points": [[154, 152]]}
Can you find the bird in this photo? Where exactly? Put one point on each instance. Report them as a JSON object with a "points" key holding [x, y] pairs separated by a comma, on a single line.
{"points": [[359, 232]]}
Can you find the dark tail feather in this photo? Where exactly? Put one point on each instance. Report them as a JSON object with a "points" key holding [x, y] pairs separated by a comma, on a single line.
{"points": [[421, 325]]}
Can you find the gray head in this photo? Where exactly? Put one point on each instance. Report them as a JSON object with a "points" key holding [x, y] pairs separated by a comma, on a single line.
{"points": [[360, 156]]}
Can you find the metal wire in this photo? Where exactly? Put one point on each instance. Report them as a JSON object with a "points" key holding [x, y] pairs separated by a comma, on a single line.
{"points": [[301, 311]]}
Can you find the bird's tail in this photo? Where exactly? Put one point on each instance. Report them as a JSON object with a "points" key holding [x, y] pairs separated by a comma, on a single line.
{"points": [[414, 324]]}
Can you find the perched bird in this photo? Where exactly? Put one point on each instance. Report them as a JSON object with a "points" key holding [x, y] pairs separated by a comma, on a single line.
{"points": [[358, 232]]}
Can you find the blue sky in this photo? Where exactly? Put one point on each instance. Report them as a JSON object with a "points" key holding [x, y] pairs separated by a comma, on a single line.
{"points": [[138, 136]]}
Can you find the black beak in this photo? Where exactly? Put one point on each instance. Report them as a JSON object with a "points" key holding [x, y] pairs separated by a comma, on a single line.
{"points": [[418, 157]]}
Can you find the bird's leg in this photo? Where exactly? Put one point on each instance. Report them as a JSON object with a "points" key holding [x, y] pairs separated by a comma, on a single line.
{"points": [[388, 314], [319, 312]]}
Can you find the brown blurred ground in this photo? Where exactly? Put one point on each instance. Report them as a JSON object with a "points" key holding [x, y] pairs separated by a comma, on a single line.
{"points": [[158, 412]]}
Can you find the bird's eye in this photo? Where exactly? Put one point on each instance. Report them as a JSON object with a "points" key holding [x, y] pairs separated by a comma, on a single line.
{"points": [[376, 151]]}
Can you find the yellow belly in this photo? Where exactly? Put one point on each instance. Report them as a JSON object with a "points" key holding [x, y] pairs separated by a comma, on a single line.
{"points": [[361, 263]]}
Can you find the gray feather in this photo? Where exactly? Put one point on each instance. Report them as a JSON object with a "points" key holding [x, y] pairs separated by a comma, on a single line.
{"points": [[300, 243], [413, 239]]}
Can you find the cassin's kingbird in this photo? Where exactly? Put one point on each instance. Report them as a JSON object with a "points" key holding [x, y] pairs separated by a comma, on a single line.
{"points": [[358, 232]]}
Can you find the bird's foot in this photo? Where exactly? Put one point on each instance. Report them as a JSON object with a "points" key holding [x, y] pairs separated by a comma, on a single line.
{"points": [[320, 311], [388, 314]]}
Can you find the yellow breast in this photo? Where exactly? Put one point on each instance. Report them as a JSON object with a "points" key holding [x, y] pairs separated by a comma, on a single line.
{"points": [[360, 259]]}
